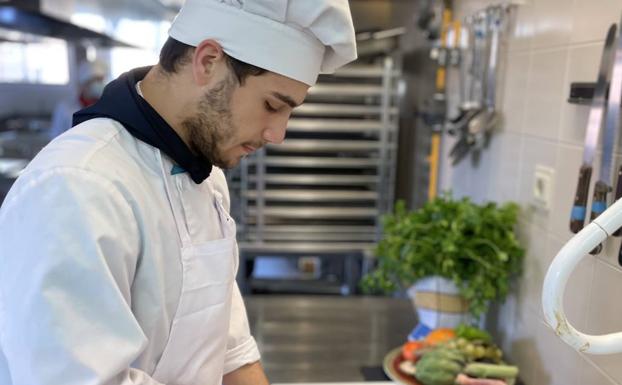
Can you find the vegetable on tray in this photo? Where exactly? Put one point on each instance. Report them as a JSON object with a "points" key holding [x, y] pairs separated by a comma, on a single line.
{"points": [[440, 366], [410, 350], [481, 370], [463, 379], [472, 333], [438, 336], [463, 356]]}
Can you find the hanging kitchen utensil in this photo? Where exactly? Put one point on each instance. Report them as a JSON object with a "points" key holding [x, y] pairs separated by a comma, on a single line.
{"points": [[491, 83], [618, 195], [441, 75], [490, 117], [616, 92], [466, 106], [577, 216], [466, 139], [610, 136], [478, 121]]}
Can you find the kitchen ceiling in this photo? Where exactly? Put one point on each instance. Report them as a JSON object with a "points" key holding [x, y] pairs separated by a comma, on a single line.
{"points": [[111, 9], [368, 15]]}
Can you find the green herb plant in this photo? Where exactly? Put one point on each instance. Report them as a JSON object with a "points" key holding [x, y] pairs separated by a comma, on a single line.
{"points": [[473, 245]]}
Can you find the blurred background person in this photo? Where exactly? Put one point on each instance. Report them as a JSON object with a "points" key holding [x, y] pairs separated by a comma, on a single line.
{"points": [[92, 77]]}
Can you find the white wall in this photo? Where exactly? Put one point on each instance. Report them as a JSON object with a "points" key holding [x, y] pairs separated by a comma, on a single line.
{"points": [[552, 43]]}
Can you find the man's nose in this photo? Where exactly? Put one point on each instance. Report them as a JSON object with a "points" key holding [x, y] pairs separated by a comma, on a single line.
{"points": [[275, 133]]}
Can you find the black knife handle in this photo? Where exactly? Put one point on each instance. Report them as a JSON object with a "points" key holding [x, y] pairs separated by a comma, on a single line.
{"points": [[577, 216], [599, 200], [599, 205], [618, 195]]}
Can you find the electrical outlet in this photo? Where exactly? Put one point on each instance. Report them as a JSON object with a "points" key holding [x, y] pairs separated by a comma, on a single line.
{"points": [[542, 192]]}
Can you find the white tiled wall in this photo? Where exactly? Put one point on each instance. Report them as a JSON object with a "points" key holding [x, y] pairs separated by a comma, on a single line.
{"points": [[550, 44]]}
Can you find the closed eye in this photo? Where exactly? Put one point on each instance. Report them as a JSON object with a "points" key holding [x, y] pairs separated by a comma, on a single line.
{"points": [[269, 107]]}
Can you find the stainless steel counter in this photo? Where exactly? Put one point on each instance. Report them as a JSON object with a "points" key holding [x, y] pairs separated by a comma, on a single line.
{"points": [[326, 339]]}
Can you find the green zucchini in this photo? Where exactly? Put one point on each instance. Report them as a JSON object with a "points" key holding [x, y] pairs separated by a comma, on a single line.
{"points": [[481, 370]]}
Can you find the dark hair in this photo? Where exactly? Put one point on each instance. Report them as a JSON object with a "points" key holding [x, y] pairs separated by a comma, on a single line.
{"points": [[175, 54]]}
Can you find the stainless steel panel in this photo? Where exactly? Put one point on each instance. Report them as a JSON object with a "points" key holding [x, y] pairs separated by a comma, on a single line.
{"points": [[316, 212], [326, 339], [330, 180], [317, 162], [314, 195], [325, 145], [343, 237], [335, 125], [325, 109], [362, 72], [306, 247], [343, 89], [318, 229]]}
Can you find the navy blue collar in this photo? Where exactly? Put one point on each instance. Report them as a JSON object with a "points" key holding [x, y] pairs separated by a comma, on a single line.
{"points": [[121, 102]]}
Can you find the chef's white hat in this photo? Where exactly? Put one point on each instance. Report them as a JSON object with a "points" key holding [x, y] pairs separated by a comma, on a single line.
{"points": [[295, 38]]}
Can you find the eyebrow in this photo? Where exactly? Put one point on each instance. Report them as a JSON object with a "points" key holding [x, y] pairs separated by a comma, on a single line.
{"points": [[285, 99]]}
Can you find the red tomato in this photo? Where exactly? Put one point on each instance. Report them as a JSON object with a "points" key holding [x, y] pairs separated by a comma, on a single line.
{"points": [[410, 348]]}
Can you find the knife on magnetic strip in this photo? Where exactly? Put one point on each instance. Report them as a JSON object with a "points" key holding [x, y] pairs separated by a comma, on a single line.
{"points": [[577, 216], [618, 195], [602, 188]]}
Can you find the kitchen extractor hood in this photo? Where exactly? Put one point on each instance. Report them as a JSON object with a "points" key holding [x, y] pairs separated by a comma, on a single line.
{"points": [[27, 16]]}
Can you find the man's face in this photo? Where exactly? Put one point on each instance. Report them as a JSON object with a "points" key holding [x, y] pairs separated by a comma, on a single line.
{"points": [[232, 120]]}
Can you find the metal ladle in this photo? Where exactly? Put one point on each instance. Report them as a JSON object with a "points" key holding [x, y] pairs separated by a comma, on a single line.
{"points": [[485, 122], [472, 108]]}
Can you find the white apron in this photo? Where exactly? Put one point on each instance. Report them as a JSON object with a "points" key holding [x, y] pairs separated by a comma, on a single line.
{"points": [[208, 274]]}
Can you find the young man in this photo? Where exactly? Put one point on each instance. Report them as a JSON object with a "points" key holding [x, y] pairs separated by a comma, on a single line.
{"points": [[117, 251]]}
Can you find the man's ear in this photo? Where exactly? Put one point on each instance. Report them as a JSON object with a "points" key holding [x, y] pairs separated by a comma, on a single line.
{"points": [[207, 58]]}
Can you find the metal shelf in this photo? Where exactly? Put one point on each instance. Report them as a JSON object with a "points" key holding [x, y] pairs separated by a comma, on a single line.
{"points": [[306, 247], [334, 229], [313, 195], [300, 286], [342, 89], [322, 180], [328, 109], [315, 212], [336, 125], [291, 145], [362, 71], [313, 237], [317, 162]]}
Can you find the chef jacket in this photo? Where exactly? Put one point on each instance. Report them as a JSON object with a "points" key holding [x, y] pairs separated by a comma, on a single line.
{"points": [[117, 266]]}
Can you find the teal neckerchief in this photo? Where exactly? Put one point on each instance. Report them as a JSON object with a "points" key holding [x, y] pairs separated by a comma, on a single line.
{"points": [[177, 170]]}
